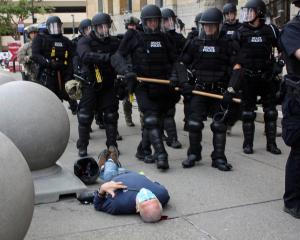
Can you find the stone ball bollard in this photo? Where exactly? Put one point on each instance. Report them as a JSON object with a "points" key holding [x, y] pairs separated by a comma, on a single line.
{"points": [[36, 121], [5, 78], [17, 192]]}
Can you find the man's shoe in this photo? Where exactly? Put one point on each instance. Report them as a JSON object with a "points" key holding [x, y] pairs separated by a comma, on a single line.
{"points": [[248, 149], [221, 164], [174, 143], [82, 151], [114, 155], [272, 148], [149, 159], [86, 197], [292, 211], [102, 158], [119, 137]]}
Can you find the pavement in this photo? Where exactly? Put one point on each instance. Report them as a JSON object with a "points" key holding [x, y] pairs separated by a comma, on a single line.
{"points": [[244, 204]]}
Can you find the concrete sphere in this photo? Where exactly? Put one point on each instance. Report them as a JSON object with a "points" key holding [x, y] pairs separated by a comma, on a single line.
{"points": [[5, 78], [35, 120], [17, 192]]}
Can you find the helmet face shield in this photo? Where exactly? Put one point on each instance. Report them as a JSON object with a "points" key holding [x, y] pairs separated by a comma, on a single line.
{"points": [[248, 15], [102, 30], [210, 31], [152, 25], [55, 28], [169, 24]]}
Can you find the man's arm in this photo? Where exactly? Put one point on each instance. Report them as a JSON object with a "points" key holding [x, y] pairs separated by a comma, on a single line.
{"points": [[37, 47]]}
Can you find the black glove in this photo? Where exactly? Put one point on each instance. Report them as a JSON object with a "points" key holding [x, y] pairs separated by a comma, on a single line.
{"points": [[187, 90], [174, 81], [227, 100], [130, 79]]}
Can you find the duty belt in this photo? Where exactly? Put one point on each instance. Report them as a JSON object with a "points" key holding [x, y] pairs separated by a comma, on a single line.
{"points": [[253, 73], [211, 87]]}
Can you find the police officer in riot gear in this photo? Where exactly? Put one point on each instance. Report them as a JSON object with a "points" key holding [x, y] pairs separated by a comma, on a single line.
{"points": [[53, 52], [195, 30], [256, 40], [229, 27], [98, 90], [290, 41], [169, 25], [153, 55], [212, 59]]}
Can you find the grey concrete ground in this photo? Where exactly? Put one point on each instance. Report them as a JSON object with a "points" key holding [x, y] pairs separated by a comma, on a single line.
{"points": [[205, 203]]}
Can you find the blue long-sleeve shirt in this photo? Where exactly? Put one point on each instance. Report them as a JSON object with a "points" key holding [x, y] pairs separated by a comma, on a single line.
{"points": [[124, 201]]}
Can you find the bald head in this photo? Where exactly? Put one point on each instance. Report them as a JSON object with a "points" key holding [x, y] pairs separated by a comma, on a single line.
{"points": [[150, 210]]}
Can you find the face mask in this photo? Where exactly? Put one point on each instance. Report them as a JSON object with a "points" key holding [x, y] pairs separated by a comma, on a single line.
{"points": [[145, 195]]}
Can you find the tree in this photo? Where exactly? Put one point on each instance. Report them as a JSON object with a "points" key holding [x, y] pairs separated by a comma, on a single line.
{"points": [[13, 11]]}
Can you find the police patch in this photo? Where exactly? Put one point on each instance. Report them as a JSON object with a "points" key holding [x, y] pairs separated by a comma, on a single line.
{"points": [[230, 32], [209, 49], [256, 39], [155, 44], [58, 44]]}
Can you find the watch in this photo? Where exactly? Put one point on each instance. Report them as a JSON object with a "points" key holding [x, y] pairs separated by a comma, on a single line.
{"points": [[230, 90]]}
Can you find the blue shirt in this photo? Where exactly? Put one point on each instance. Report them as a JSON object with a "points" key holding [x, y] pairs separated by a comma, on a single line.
{"points": [[124, 200]]}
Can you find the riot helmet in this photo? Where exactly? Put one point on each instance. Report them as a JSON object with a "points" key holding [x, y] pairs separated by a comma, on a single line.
{"points": [[42, 28], [131, 22], [230, 12], [102, 24], [252, 10], [32, 30], [85, 27], [54, 25], [74, 89], [169, 19], [211, 24], [87, 170], [151, 18]]}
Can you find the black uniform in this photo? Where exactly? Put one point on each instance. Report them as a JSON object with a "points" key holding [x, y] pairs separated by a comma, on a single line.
{"points": [[212, 62], [290, 39], [169, 122], [98, 90], [152, 56], [53, 53], [256, 59], [228, 31]]}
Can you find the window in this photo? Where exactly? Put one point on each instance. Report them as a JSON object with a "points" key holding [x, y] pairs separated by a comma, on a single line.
{"points": [[70, 9], [159, 3]]}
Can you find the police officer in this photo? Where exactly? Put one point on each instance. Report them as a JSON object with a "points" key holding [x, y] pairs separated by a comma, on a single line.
{"points": [[169, 25], [25, 53], [153, 55], [53, 52], [256, 40], [211, 58], [229, 27], [130, 23], [98, 90], [290, 40], [195, 30]]}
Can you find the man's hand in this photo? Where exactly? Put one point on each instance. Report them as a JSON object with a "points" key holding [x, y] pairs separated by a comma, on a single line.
{"points": [[130, 79], [111, 187], [187, 90], [227, 100]]}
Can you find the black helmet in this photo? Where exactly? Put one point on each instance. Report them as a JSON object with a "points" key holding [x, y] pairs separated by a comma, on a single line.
{"points": [[87, 170], [150, 11], [197, 18], [167, 13], [85, 23], [53, 25], [211, 15], [258, 5], [101, 18], [229, 7], [32, 28]]}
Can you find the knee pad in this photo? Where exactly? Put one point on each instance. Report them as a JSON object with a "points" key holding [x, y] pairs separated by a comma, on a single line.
{"points": [[270, 115], [248, 116], [111, 117], [171, 112], [151, 121], [85, 117], [195, 126], [218, 126]]}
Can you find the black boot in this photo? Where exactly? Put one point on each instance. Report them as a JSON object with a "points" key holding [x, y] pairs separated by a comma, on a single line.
{"points": [[111, 134], [219, 159], [270, 129], [248, 129], [160, 151], [194, 151], [73, 106], [170, 127], [83, 141]]}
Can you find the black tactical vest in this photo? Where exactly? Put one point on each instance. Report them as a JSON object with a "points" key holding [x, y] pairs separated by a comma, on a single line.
{"points": [[211, 61], [229, 29], [256, 47], [57, 48], [150, 57]]}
